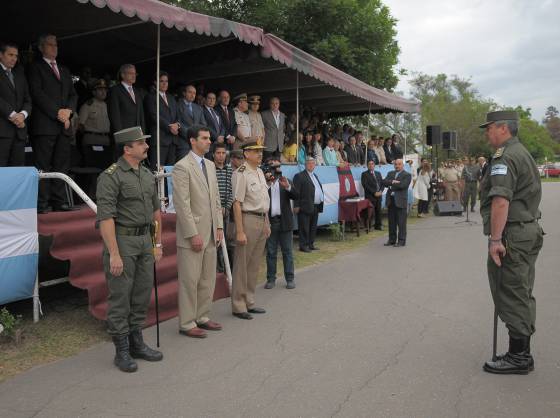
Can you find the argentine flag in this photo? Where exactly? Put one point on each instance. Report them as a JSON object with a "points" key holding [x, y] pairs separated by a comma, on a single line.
{"points": [[19, 245]]}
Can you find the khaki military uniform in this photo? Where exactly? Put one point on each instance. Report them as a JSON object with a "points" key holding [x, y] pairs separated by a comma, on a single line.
{"points": [[249, 189], [128, 196], [450, 176], [96, 141], [243, 127], [257, 125], [513, 175]]}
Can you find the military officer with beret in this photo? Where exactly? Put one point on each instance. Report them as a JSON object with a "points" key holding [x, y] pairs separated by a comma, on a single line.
{"points": [[242, 120], [250, 211], [127, 207], [510, 197]]}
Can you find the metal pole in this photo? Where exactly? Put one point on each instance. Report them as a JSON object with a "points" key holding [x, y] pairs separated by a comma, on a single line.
{"points": [[367, 132], [297, 114], [73, 185], [161, 183], [36, 302]]}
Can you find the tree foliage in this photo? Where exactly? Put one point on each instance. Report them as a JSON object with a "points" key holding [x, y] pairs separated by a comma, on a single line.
{"points": [[552, 123], [356, 36]]}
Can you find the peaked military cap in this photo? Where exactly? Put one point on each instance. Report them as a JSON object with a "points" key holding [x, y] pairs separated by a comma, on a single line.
{"points": [[129, 135], [492, 117], [236, 153], [253, 145], [239, 97], [254, 99], [99, 84]]}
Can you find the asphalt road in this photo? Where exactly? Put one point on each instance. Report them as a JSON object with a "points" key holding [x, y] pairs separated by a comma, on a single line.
{"points": [[380, 332]]}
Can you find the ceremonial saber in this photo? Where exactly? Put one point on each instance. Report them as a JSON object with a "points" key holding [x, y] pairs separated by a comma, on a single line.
{"points": [[496, 299], [156, 228]]}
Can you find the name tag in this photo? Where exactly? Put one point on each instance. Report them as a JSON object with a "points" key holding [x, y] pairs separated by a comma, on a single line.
{"points": [[499, 170], [28, 149], [98, 148]]}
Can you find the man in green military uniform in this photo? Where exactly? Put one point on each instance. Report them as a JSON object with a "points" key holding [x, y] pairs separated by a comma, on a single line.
{"points": [[470, 174], [510, 197], [127, 207]]}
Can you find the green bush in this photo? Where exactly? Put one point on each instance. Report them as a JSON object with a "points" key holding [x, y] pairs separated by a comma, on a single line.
{"points": [[9, 322]]}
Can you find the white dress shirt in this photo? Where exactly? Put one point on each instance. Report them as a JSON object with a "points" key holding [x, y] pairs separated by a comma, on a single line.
{"points": [[23, 112], [275, 208], [319, 196]]}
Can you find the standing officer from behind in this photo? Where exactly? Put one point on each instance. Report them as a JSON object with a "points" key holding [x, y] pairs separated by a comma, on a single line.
{"points": [[510, 197], [127, 205], [252, 229]]}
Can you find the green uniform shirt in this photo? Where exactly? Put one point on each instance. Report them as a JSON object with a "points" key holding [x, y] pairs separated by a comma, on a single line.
{"points": [[513, 175], [128, 195]]}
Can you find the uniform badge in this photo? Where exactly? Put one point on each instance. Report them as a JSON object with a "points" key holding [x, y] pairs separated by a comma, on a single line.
{"points": [[241, 169], [499, 170], [111, 168], [499, 152]]}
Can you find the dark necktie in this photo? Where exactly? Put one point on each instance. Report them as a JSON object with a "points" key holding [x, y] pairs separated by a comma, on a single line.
{"points": [[226, 113], [190, 108], [55, 69], [215, 116], [375, 180], [203, 165], [11, 77]]}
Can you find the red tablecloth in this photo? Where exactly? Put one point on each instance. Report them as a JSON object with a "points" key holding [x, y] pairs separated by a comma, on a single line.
{"points": [[349, 211]]}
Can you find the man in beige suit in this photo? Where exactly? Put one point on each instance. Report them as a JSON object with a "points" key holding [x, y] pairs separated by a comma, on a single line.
{"points": [[199, 230]]}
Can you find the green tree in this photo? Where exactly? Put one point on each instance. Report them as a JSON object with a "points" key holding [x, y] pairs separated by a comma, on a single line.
{"points": [[535, 136], [355, 36], [552, 123]]}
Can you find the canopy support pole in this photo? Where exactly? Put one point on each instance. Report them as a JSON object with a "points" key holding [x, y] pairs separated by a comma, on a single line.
{"points": [[297, 114], [161, 183], [367, 133]]}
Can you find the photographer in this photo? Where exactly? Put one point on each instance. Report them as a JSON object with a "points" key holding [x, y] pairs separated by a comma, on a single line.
{"points": [[281, 223]]}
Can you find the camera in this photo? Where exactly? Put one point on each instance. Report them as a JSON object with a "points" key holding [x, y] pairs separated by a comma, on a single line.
{"points": [[272, 170]]}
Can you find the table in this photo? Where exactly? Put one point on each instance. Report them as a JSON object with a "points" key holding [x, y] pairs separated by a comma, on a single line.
{"points": [[352, 210]]}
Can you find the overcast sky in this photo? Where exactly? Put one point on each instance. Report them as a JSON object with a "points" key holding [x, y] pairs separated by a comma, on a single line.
{"points": [[509, 48]]}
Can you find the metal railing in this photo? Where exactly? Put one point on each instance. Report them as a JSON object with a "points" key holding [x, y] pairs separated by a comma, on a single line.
{"points": [[37, 311]]}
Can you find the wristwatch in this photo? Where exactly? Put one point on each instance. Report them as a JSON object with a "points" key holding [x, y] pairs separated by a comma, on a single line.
{"points": [[159, 245]]}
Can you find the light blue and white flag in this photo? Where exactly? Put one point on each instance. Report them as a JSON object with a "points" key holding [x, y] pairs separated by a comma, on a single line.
{"points": [[19, 244]]}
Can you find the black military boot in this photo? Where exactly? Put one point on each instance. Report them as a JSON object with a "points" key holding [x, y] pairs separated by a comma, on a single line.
{"points": [[139, 349], [517, 360], [122, 357]]}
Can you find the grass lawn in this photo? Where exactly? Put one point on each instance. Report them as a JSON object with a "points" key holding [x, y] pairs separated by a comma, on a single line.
{"points": [[550, 180], [68, 328]]}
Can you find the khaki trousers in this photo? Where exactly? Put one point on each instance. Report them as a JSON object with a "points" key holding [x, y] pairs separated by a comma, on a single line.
{"points": [[452, 191], [197, 279], [247, 262]]}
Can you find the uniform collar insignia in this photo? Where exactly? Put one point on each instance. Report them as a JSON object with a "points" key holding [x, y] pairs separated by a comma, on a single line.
{"points": [[499, 152]]}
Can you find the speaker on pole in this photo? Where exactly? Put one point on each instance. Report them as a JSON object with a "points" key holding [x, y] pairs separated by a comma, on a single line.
{"points": [[433, 135], [449, 140]]}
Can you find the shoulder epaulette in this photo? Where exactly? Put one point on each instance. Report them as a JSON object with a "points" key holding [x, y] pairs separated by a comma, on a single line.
{"points": [[89, 102], [241, 169], [111, 169], [499, 152]]}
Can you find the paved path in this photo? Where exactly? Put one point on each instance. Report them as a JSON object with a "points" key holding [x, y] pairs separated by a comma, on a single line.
{"points": [[381, 332]]}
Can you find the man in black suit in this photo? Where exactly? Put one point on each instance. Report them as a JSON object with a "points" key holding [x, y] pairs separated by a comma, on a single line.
{"points": [[354, 152], [190, 114], [126, 102], [372, 182], [395, 148], [15, 108], [170, 144], [213, 120], [54, 104], [397, 183], [227, 115], [281, 225], [308, 205]]}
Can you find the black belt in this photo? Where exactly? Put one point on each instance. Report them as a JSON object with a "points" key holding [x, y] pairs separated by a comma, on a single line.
{"points": [[132, 230], [260, 214], [96, 133], [471, 181], [275, 218], [520, 222]]}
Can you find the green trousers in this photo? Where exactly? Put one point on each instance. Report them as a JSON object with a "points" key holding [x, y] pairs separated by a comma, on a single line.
{"points": [[512, 283], [129, 293], [470, 194]]}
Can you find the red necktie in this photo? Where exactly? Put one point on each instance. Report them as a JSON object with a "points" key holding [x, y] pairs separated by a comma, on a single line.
{"points": [[55, 69], [226, 113]]}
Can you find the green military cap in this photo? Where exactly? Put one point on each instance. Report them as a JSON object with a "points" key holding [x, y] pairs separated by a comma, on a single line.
{"points": [[253, 145], [236, 153], [492, 117], [99, 84], [129, 135]]}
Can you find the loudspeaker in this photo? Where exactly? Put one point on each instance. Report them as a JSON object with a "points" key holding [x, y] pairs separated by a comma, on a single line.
{"points": [[449, 140], [448, 208], [433, 135]]}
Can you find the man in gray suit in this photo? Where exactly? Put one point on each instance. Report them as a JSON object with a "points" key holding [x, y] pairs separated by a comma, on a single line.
{"points": [[190, 114], [274, 127], [397, 183]]}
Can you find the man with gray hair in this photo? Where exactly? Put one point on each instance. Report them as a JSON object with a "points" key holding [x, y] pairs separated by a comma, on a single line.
{"points": [[274, 127], [54, 105], [510, 194], [126, 108]]}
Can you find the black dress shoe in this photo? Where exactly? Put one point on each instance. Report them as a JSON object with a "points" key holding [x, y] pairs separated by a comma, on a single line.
{"points": [[314, 248], [256, 310], [399, 244], [378, 228], [44, 209], [290, 285], [243, 315], [305, 250], [389, 244], [269, 284]]}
